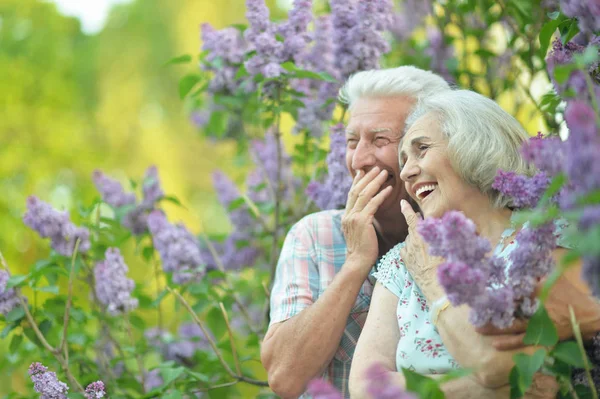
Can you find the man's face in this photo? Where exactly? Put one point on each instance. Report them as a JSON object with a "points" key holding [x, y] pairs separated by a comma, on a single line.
{"points": [[372, 137]]}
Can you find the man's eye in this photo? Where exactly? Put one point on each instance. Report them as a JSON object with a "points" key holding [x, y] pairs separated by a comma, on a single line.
{"points": [[351, 141], [381, 140]]}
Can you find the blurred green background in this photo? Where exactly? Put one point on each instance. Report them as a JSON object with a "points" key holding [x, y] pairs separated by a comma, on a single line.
{"points": [[71, 102]]}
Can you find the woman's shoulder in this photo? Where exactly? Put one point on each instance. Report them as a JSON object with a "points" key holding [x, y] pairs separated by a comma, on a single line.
{"points": [[391, 272]]}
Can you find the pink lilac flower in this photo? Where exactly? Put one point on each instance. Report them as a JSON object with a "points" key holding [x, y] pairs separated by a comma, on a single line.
{"points": [[95, 390], [50, 223], [358, 29], [321, 389], [332, 193], [178, 248], [111, 190], [8, 297], [381, 386], [46, 383], [524, 191], [227, 192], [113, 288]]}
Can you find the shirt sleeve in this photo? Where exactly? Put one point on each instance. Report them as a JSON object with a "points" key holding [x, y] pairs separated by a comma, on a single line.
{"points": [[296, 282], [389, 272]]}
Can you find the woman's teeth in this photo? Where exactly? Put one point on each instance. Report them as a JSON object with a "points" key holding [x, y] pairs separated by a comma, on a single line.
{"points": [[423, 191]]}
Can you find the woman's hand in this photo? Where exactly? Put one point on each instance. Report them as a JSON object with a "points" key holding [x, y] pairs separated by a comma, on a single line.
{"points": [[357, 222], [415, 255]]}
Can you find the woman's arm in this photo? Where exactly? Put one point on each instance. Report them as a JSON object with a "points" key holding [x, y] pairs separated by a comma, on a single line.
{"points": [[377, 345]]}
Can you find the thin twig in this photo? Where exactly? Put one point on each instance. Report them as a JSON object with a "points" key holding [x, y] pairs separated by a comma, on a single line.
{"points": [[231, 341], [586, 366], [212, 344], [226, 384], [64, 347], [138, 358]]}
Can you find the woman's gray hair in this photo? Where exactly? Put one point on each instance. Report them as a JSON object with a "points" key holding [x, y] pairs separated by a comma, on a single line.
{"points": [[482, 138], [406, 80]]}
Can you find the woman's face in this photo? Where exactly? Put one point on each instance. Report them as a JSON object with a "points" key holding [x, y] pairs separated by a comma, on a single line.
{"points": [[427, 173]]}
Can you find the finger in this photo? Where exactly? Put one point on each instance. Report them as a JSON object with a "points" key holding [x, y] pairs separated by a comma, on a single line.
{"points": [[518, 327], [359, 183], [508, 342], [411, 217], [376, 201], [371, 189]]}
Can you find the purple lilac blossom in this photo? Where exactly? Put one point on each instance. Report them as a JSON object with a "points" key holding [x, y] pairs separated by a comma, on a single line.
{"points": [[587, 13], [111, 190], [525, 191], [321, 389], [152, 380], [261, 37], [439, 52], [151, 187], [113, 288], [180, 348], [46, 383], [257, 190], [8, 297], [50, 223], [234, 253], [463, 283], [95, 390], [497, 307], [332, 193], [227, 192], [294, 30], [264, 153], [546, 153], [177, 247], [381, 386], [358, 29], [590, 217], [319, 96]]}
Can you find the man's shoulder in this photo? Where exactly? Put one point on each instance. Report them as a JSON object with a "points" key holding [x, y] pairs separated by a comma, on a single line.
{"points": [[331, 218]]}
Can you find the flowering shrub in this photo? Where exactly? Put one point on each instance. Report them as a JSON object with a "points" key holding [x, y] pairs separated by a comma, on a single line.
{"points": [[97, 328]]}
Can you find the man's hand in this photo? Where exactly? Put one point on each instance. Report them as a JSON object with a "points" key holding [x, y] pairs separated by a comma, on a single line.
{"points": [[562, 295], [357, 222], [421, 266]]}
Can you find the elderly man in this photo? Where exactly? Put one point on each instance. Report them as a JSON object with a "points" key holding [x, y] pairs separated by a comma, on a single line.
{"points": [[321, 293]]}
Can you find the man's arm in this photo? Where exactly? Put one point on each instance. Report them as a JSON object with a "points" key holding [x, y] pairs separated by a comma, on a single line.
{"points": [[298, 349]]}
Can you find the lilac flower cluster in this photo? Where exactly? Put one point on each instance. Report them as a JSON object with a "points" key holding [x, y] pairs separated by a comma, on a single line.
{"points": [[234, 253], [46, 383], [525, 191], [381, 386], [225, 53], [95, 390], [333, 192], [152, 380], [113, 288], [177, 247], [50, 223], [262, 37], [227, 192], [8, 297], [264, 152], [358, 28], [322, 389], [136, 218], [190, 339], [495, 290], [587, 13], [319, 96]]}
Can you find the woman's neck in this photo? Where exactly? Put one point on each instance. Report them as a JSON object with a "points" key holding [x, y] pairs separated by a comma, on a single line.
{"points": [[491, 222]]}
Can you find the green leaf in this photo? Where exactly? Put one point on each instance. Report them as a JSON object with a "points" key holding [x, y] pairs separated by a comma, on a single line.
{"points": [[235, 204], [562, 72], [15, 342], [515, 386], [424, 386], [182, 59], [187, 83], [589, 56], [454, 374], [198, 376], [16, 314], [147, 253], [569, 353], [571, 32], [137, 322], [171, 374], [172, 394], [16, 280], [159, 299], [9, 327], [546, 34], [541, 329], [553, 15], [53, 289], [527, 366], [174, 200], [217, 123], [216, 323]]}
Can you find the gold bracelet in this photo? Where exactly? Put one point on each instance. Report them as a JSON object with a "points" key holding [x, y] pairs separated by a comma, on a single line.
{"points": [[438, 308]]}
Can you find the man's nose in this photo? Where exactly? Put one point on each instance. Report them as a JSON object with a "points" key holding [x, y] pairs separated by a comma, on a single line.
{"points": [[363, 157]]}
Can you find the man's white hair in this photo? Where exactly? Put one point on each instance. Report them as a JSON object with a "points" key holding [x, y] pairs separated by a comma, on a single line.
{"points": [[482, 138], [405, 80]]}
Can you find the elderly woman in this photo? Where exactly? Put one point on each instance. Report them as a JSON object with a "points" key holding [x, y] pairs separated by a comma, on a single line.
{"points": [[454, 144]]}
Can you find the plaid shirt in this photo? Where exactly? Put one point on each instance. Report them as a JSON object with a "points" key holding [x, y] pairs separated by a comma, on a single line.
{"points": [[313, 252]]}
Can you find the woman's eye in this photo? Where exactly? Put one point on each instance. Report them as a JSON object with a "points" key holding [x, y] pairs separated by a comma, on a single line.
{"points": [[423, 147]]}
